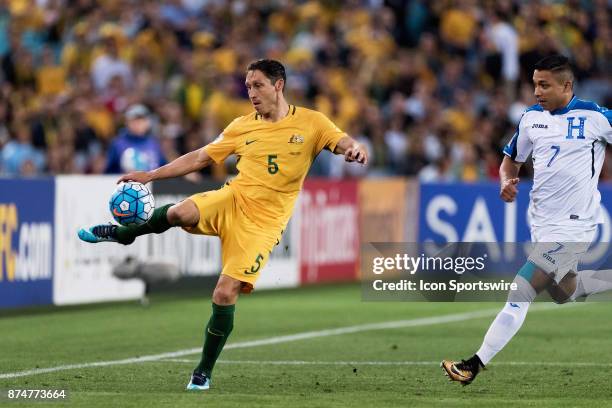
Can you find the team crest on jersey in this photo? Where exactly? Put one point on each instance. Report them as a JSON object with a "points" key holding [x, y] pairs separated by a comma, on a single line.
{"points": [[296, 139]]}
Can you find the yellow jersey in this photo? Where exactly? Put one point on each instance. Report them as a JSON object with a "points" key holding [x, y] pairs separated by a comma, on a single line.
{"points": [[273, 160]]}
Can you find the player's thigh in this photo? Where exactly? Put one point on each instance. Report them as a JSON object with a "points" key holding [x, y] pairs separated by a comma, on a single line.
{"points": [[540, 280], [215, 212], [559, 249], [184, 214], [245, 252], [552, 261]]}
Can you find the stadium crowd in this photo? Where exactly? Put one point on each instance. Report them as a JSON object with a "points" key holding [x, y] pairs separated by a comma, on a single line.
{"points": [[434, 89]]}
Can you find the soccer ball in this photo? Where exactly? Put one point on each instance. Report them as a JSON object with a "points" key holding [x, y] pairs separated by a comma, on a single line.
{"points": [[131, 204]]}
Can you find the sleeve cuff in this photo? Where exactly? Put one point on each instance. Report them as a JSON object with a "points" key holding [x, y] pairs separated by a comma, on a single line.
{"points": [[333, 145], [214, 157]]}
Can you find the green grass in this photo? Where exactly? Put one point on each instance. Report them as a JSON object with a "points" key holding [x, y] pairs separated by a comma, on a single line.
{"points": [[49, 338]]}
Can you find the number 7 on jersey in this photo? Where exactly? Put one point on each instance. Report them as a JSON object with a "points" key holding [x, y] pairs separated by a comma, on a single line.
{"points": [[556, 148]]}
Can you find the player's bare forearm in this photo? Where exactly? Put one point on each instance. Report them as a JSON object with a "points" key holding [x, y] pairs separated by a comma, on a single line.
{"points": [[187, 163], [508, 177], [509, 169], [352, 150]]}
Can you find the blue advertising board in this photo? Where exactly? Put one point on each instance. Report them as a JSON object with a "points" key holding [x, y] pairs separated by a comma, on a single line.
{"points": [[475, 213], [26, 242], [472, 212]]}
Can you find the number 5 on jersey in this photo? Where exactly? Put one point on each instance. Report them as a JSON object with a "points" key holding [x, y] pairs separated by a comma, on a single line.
{"points": [[256, 266], [272, 165]]}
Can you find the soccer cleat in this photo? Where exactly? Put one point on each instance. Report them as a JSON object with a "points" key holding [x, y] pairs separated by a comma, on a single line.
{"points": [[198, 382], [99, 233], [463, 372]]}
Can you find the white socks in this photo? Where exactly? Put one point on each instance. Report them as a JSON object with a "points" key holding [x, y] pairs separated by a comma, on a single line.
{"points": [[511, 318], [591, 282], [508, 321]]}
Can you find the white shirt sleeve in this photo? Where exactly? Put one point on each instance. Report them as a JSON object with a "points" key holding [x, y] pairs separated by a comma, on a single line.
{"points": [[606, 125], [520, 146]]}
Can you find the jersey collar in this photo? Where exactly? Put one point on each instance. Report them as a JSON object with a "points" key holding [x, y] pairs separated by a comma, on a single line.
{"points": [[290, 112], [567, 108]]}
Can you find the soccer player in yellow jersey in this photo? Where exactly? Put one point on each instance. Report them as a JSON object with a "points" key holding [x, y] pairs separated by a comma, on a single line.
{"points": [[275, 145]]}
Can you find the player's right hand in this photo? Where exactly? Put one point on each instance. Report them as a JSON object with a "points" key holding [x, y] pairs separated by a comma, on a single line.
{"points": [[509, 190], [139, 176], [356, 152]]}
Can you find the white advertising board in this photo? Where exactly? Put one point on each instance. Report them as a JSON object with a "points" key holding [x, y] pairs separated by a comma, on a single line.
{"points": [[83, 270], [195, 255]]}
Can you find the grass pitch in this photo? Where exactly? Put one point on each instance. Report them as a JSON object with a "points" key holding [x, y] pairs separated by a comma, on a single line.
{"points": [[561, 356]]}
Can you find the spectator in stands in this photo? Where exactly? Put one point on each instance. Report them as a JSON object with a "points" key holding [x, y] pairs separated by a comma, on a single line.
{"points": [[501, 39], [135, 148], [436, 172], [400, 66], [109, 65], [18, 157]]}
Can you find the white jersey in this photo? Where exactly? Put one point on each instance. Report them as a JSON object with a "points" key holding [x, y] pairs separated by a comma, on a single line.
{"points": [[568, 149]]}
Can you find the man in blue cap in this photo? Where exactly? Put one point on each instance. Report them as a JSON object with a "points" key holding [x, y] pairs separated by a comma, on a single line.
{"points": [[135, 148]]}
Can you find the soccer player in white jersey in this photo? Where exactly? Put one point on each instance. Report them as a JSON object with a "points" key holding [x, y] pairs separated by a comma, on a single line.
{"points": [[566, 138]]}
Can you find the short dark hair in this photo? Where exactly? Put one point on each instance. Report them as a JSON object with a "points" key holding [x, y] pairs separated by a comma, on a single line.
{"points": [[557, 64], [272, 69]]}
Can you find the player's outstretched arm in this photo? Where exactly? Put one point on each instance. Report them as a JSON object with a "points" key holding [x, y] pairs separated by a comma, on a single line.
{"points": [[187, 163], [352, 150], [508, 176]]}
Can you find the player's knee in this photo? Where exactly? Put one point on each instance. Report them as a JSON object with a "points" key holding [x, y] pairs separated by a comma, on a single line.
{"points": [[183, 214], [505, 319], [224, 295]]}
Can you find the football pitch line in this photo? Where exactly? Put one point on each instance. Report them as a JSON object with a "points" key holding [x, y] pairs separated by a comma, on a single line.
{"points": [[399, 324], [391, 363]]}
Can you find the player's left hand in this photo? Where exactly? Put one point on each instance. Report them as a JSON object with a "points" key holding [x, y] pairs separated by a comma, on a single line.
{"points": [[357, 152], [139, 176]]}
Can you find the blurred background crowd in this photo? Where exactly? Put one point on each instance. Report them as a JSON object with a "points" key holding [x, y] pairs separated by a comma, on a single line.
{"points": [[434, 88]]}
